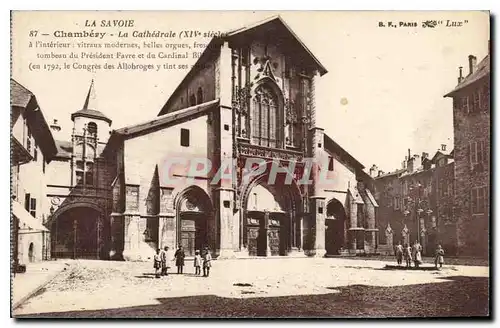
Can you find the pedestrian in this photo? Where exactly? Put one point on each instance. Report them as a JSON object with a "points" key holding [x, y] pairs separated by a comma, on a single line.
{"points": [[157, 263], [164, 261], [407, 255], [179, 259], [207, 262], [417, 254], [197, 263], [399, 253], [439, 257]]}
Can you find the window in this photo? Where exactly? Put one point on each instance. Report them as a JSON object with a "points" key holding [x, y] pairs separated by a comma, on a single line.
{"points": [[185, 137], [92, 128], [265, 117], [84, 173], [477, 153], [28, 141], [33, 207], [476, 103], [396, 203], [456, 103], [199, 96], [192, 100], [479, 200], [465, 104], [27, 198], [450, 189], [330, 163]]}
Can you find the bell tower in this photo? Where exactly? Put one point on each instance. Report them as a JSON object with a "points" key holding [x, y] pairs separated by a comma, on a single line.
{"points": [[91, 130]]}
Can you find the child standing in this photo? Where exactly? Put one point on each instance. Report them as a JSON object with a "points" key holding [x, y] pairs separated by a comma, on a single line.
{"points": [[197, 263], [407, 255], [157, 263], [439, 257], [207, 262]]}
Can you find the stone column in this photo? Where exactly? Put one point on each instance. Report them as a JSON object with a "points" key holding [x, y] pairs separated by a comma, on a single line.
{"points": [[167, 231], [318, 203], [353, 216], [225, 213], [117, 233], [266, 228]]}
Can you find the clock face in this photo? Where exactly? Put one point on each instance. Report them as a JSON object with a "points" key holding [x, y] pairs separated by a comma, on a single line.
{"points": [[55, 201]]}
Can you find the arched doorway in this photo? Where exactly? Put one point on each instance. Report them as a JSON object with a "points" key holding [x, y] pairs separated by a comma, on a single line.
{"points": [[335, 227], [270, 226], [78, 232], [31, 252], [194, 215]]}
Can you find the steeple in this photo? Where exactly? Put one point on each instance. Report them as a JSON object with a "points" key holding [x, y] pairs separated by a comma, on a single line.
{"points": [[91, 100], [90, 108]]}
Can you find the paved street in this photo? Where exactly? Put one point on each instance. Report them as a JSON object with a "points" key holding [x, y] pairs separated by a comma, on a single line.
{"points": [[261, 288]]}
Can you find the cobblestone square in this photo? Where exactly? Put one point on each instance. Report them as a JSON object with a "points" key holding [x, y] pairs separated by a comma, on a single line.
{"points": [[273, 287]]}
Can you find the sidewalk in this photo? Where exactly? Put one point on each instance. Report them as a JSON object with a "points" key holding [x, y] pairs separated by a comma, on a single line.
{"points": [[468, 261], [37, 275]]}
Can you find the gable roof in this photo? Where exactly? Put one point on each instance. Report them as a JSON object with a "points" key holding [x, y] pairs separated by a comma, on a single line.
{"points": [[19, 95], [482, 70], [274, 22], [170, 118], [24, 98], [331, 145], [277, 24]]}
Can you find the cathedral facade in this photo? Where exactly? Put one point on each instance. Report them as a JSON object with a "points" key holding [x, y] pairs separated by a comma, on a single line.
{"points": [[234, 161]]}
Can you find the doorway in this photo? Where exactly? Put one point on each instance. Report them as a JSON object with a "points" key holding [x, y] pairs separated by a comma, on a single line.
{"points": [[193, 232], [31, 253]]}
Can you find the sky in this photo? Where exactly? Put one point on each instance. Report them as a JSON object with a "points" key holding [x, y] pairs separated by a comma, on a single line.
{"points": [[382, 95]]}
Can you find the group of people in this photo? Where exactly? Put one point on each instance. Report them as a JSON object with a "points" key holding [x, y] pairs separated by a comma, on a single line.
{"points": [[409, 254], [164, 258]]}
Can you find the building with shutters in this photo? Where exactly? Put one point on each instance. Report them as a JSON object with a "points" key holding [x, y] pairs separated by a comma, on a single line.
{"points": [[472, 135]]}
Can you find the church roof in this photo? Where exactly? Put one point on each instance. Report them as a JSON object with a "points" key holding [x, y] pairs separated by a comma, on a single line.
{"points": [[480, 71], [273, 26], [331, 145], [170, 118], [89, 107]]}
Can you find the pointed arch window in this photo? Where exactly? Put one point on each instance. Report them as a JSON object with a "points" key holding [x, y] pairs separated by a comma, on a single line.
{"points": [[265, 116]]}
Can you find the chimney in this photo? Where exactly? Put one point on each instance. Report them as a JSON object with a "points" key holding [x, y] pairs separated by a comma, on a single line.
{"points": [[460, 74], [424, 156], [443, 147], [373, 171], [472, 63], [409, 167]]}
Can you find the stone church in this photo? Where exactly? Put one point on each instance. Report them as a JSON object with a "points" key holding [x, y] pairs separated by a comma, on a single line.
{"points": [[249, 100]]}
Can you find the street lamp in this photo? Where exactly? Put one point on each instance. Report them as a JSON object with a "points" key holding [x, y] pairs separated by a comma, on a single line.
{"points": [[417, 206]]}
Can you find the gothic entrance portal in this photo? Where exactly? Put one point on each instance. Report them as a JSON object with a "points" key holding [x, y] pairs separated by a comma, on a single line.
{"points": [[335, 227], [78, 233], [194, 215], [270, 222]]}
